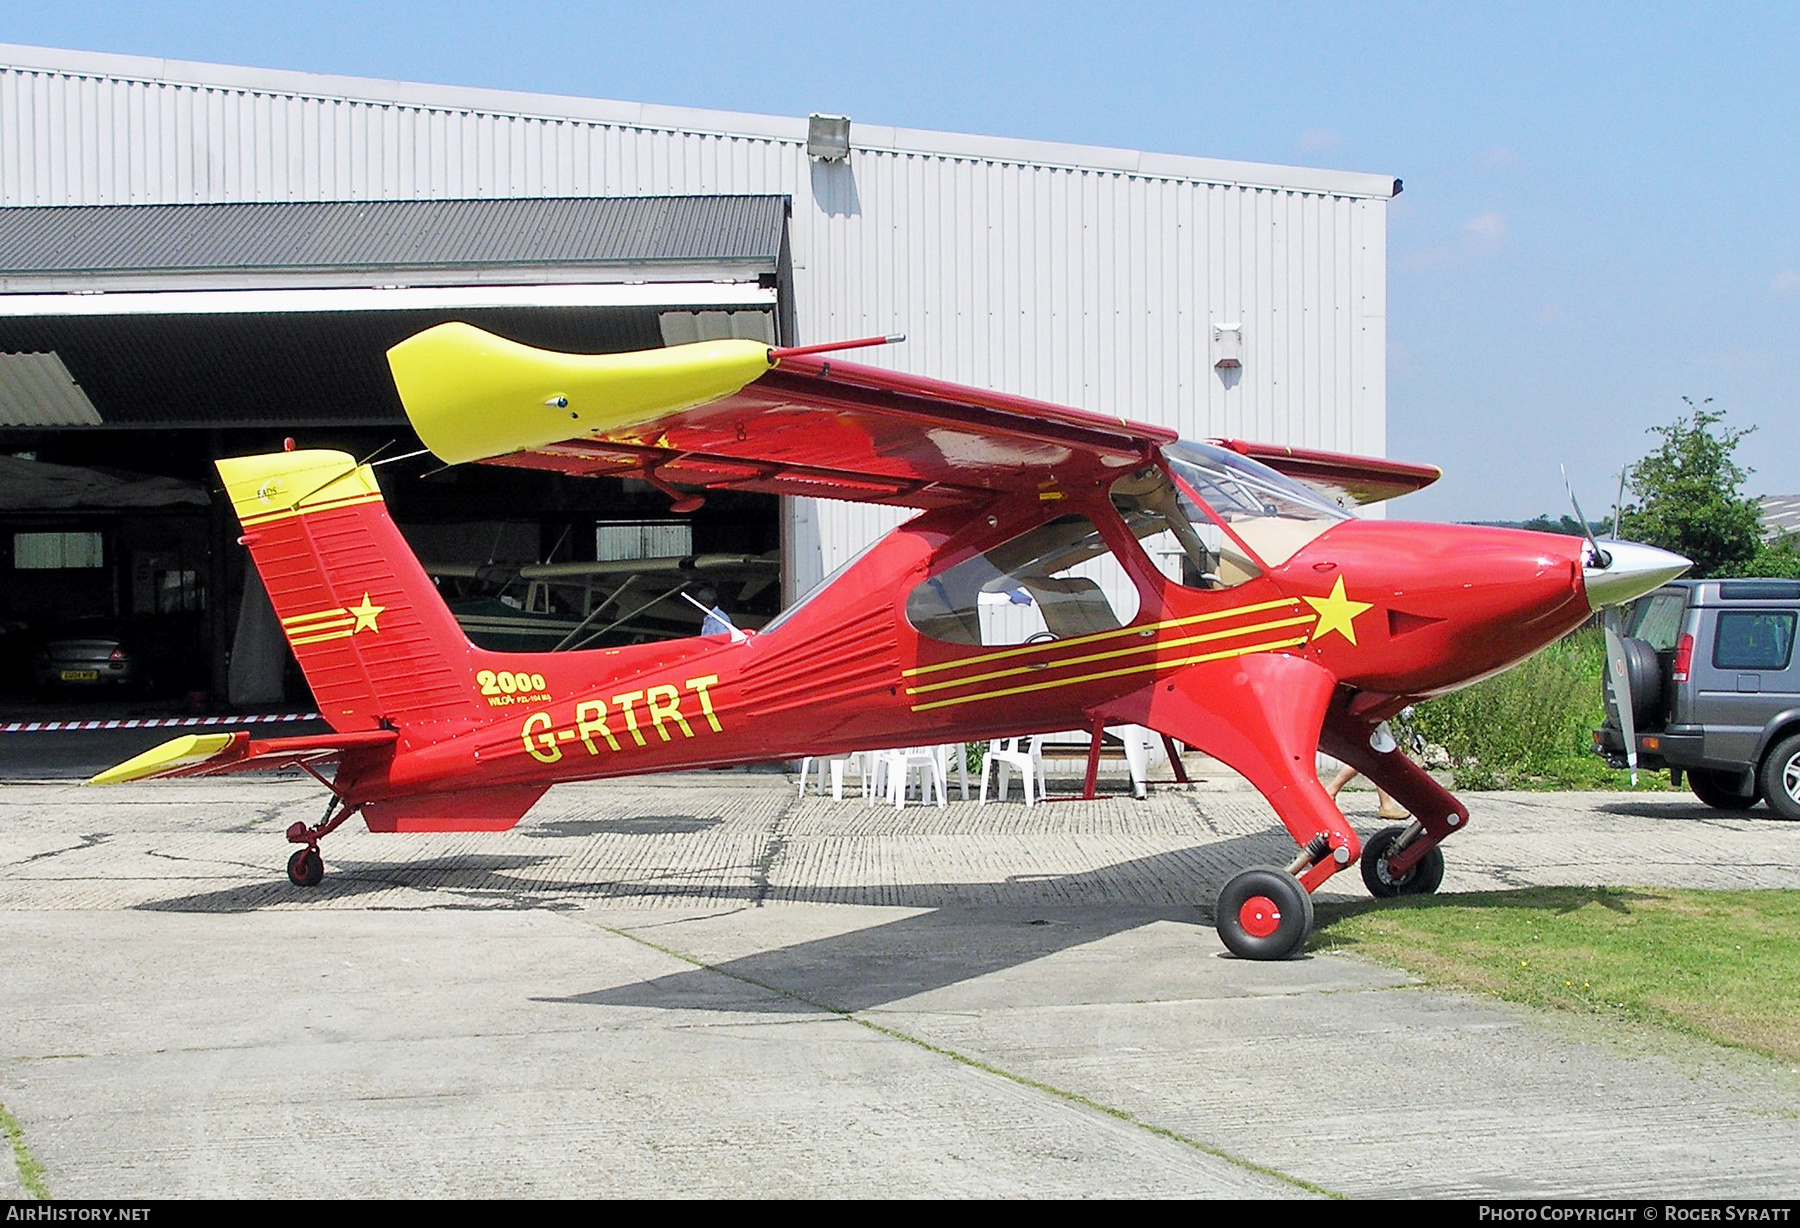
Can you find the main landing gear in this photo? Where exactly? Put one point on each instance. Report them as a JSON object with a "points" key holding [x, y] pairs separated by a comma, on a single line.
{"points": [[1383, 880], [1266, 912], [306, 868]]}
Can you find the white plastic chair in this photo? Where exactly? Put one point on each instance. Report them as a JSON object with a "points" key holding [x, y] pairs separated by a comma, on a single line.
{"points": [[894, 769], [1139, 743], [1007, 754], [839, 766], [955, 753]]}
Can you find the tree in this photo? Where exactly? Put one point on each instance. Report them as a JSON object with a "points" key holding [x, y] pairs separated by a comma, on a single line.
{"points": [[1688, 496]]}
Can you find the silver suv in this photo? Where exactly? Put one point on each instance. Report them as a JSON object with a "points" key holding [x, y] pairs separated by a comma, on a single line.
{"points": [[1715, 691]]}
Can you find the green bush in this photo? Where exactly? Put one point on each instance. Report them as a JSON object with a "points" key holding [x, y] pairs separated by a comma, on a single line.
{"points": [[1530, 727]]}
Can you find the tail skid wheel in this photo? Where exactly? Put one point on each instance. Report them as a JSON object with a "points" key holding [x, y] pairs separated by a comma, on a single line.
{"points": [[306, 868], [1422, 879], [1264, 913]]}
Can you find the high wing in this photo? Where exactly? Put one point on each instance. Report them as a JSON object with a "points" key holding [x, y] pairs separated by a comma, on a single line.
{"points": [[738, 415]]}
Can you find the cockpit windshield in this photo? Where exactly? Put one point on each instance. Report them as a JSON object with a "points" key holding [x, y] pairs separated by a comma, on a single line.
{"points": [[1268, 513], [1239, 488]]}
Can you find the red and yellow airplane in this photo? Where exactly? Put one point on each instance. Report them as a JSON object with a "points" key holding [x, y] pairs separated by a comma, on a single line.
{"points": [[1066, 570]]}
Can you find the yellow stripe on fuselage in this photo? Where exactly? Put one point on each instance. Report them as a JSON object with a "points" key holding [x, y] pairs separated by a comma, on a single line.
{"points": [[1097, 636], [1152, 667], [1090, 658]]}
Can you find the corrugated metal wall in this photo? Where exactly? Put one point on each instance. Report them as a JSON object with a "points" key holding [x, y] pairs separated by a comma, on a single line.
{"points": [[1009, 264]]}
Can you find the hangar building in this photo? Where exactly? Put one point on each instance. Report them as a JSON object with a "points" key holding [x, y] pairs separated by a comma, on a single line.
{"points": [[199, 260]]}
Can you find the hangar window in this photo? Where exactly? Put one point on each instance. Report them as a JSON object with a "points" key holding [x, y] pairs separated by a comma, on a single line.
{"points": [[57, 551], [643, 539], [1055, 582]]}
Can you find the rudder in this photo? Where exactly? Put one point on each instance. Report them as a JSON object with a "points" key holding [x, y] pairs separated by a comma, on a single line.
{"points": [[377, 643]]}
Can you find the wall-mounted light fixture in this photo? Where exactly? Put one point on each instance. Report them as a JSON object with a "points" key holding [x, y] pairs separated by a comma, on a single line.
{"points": [[1228, 346], [828, 137]]}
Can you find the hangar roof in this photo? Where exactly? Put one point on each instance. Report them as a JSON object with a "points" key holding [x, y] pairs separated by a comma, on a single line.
{"points": [[281, 313], [658, 238]]}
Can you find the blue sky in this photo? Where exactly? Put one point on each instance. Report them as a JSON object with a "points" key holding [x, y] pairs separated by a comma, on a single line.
{"points": [[1601, 211]]}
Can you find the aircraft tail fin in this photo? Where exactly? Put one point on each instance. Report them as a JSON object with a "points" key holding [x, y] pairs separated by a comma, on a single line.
{"points": [[377, 643]]}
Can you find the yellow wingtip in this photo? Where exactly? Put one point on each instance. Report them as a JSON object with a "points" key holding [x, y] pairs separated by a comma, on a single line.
{"points": [[472, 395], [177, 752]]}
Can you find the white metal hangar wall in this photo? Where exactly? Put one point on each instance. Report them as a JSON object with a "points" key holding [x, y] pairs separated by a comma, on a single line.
{"points": [[1086, 276]]}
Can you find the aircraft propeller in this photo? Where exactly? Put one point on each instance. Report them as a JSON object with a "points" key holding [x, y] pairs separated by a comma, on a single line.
{"points": [[1615, 576]]}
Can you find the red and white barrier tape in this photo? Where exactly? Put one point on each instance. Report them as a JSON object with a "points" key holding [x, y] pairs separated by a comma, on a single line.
{"points": [[154, 722]]}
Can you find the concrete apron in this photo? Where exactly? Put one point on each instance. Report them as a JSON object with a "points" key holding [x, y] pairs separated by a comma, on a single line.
{"points": [[702, 986]]}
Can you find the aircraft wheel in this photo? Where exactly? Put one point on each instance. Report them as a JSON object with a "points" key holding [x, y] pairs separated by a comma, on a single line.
{"points": [[306, 868], [1422, 879], [1264, 913], [1719, 789]]}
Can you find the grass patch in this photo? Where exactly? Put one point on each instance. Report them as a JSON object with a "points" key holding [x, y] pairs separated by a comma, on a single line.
{"points": [[1531, 727], [31, 1173], [1720, 965]]}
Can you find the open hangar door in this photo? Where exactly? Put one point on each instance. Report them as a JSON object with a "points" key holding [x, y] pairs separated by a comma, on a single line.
{"points": [[139, 375]]}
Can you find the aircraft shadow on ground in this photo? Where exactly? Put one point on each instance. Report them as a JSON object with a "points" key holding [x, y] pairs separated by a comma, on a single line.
{"points": [[881, 964], [487, 876], [968, 929], [1019, 919]]}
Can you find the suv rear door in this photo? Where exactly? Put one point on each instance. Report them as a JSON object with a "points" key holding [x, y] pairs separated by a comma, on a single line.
{"points": [[1744, 672]]}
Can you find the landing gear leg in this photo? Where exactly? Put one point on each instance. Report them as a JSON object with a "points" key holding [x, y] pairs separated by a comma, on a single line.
{"points": [[306, 868], [1398, 860], [1261, 714]]}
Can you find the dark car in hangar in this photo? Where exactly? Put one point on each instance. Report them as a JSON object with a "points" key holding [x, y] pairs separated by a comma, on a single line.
{"points": [[94, 655]]}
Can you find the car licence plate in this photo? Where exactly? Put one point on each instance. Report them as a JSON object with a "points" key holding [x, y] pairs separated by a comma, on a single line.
{"points": [[81, 675]]}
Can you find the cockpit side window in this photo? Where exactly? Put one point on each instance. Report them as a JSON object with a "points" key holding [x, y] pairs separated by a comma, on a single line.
{"points": [[1056, 581], [1181, 540]]}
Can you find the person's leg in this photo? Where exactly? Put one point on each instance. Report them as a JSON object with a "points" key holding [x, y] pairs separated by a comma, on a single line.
{"points": [[1340, 780]]}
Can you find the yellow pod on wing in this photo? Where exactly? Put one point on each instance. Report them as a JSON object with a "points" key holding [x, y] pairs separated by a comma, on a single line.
{"points": [[472, 395]]}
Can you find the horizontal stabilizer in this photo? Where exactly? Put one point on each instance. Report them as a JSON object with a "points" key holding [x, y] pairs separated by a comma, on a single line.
{"points": [[214, 754]]}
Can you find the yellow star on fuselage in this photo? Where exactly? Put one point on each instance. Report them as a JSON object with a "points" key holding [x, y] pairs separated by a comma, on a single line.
{"points": [[1337, 612], [366, 614]]}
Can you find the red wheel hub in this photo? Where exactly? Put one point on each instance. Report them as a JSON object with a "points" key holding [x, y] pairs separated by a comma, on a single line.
{"points": [[1259, 916]]}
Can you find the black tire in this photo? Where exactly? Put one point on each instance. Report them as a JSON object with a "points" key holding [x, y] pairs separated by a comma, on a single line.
{"points": [[1644, 670], [1719, 789], [1422, 879], [1780, 778], [306, 868], [1264, 913]]}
